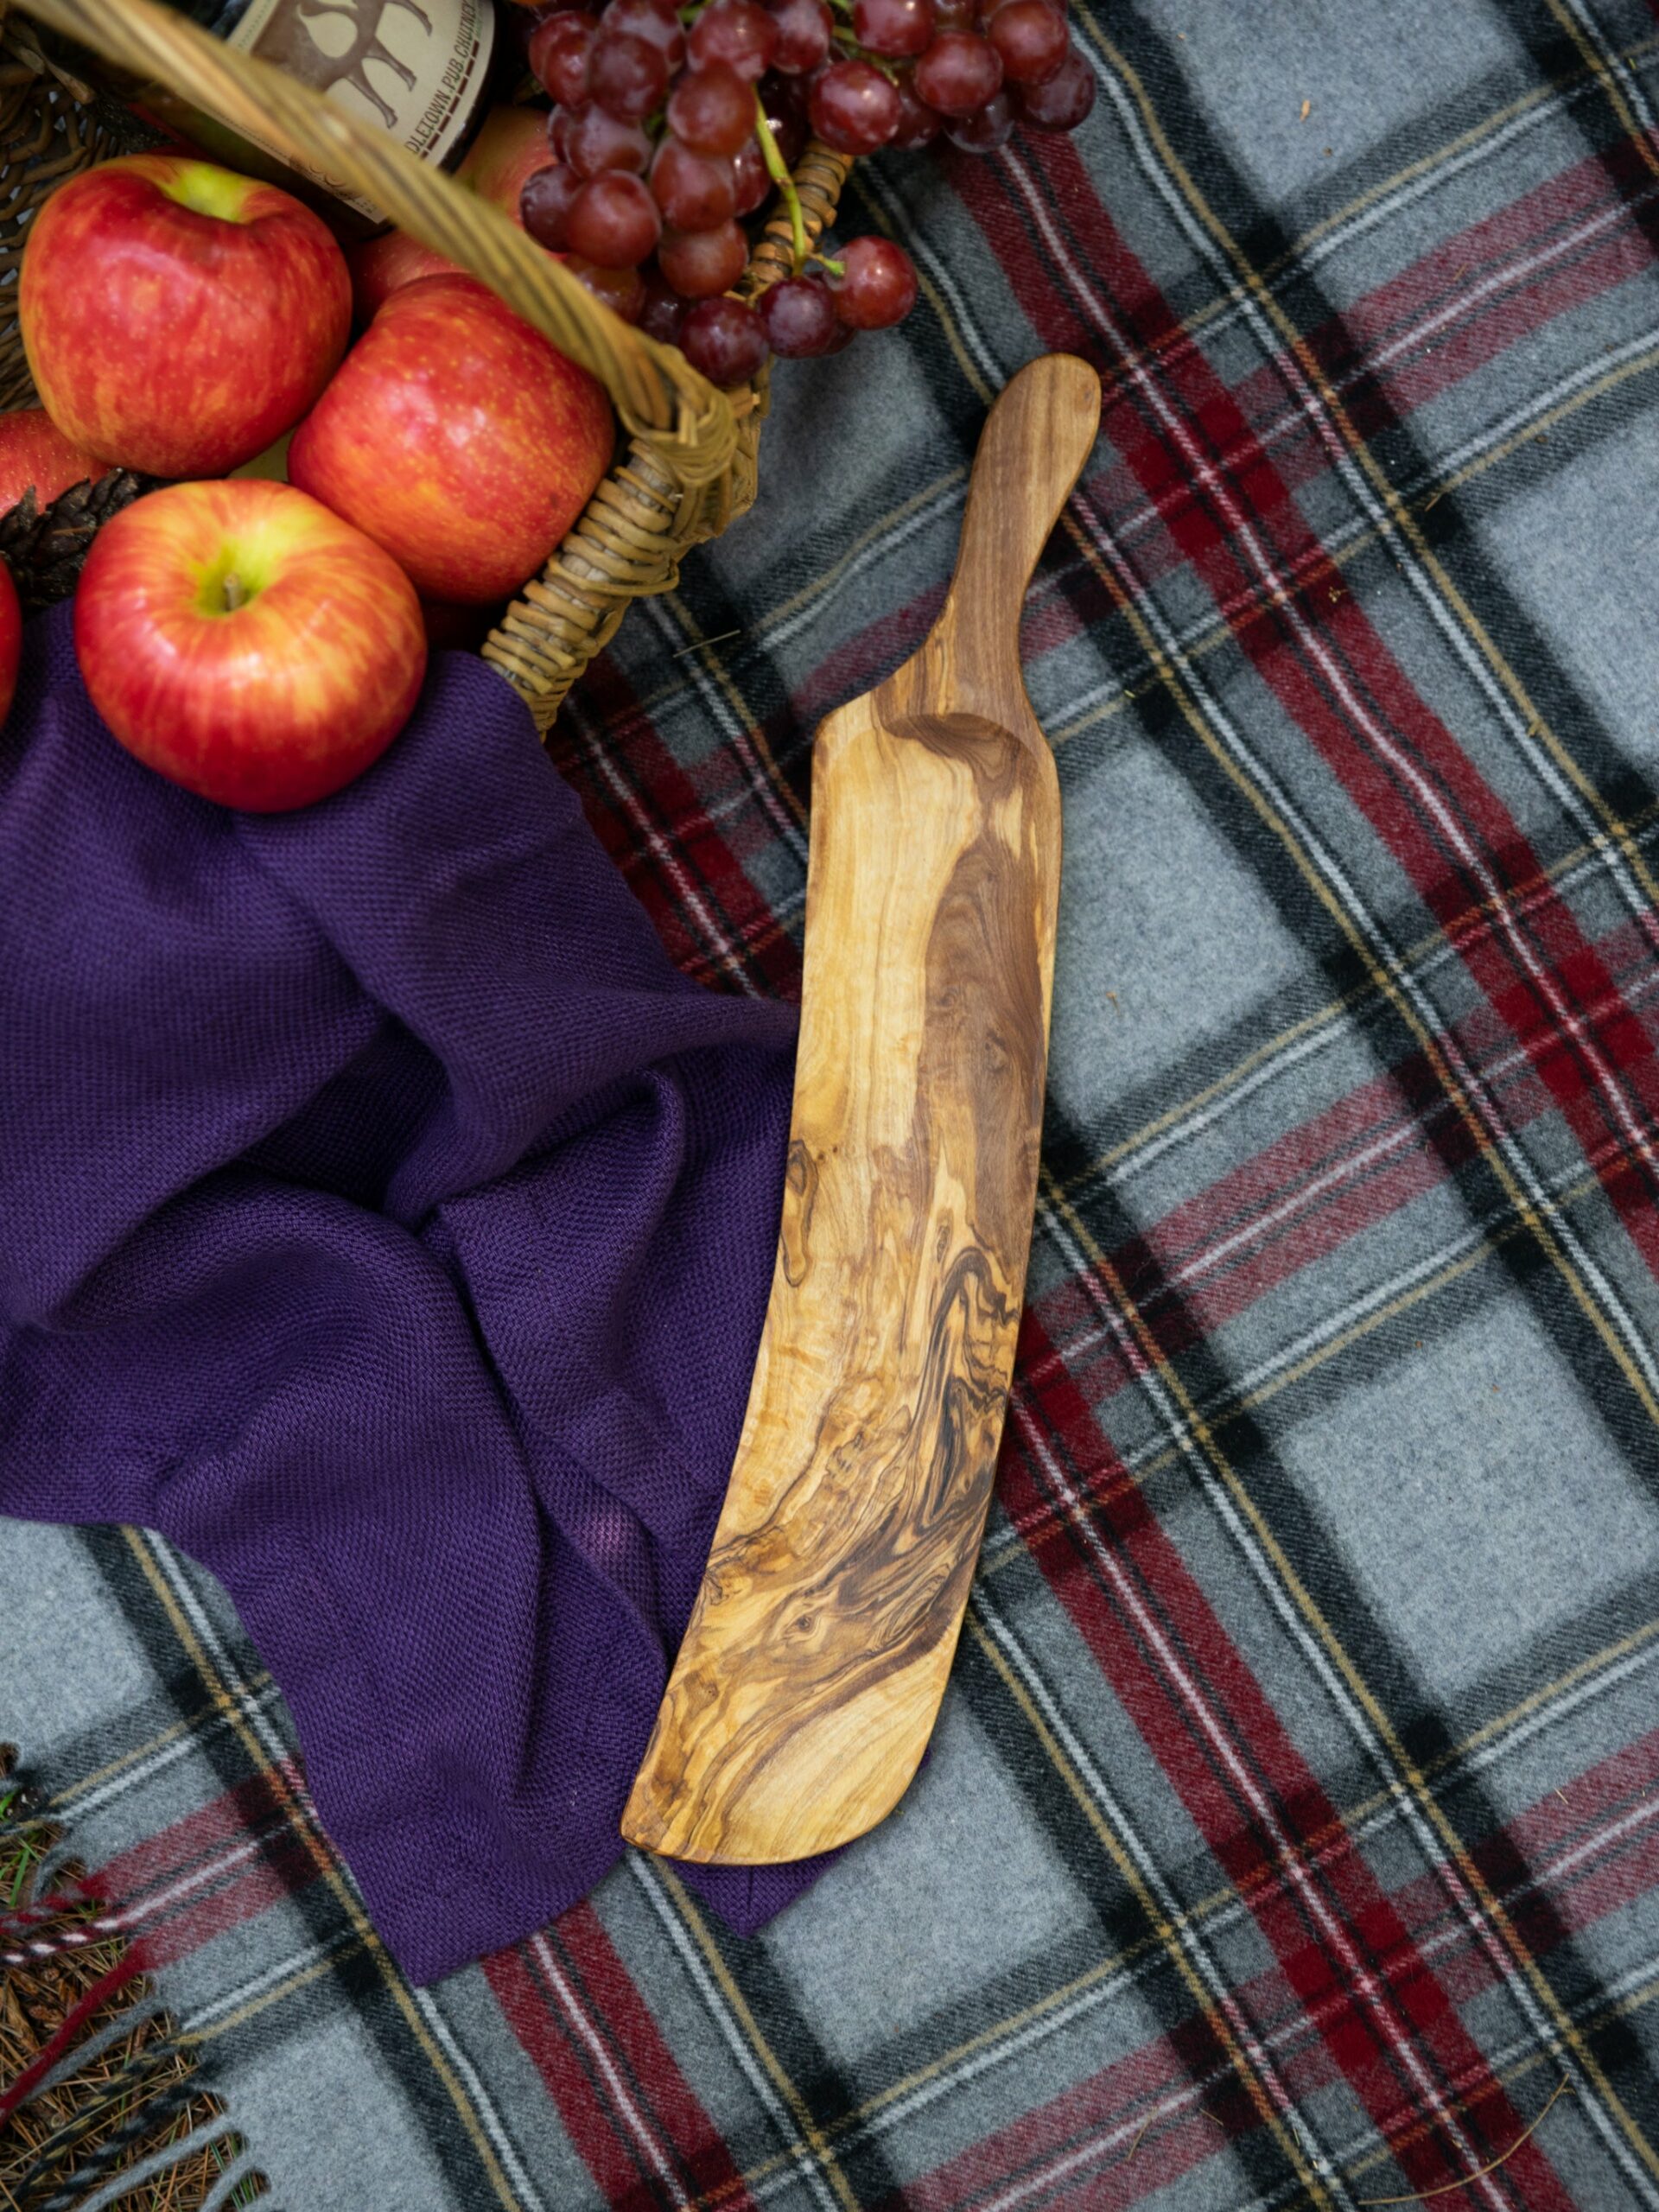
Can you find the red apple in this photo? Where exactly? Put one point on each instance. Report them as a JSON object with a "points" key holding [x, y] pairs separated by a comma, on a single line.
{"points": [[178, 318], [11, 639], [242, 640], [511, 146], [458, 438], [35, 455]]}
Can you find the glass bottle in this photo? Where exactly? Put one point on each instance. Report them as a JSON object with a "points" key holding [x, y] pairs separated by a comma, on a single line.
{"points": [[422, 69]]}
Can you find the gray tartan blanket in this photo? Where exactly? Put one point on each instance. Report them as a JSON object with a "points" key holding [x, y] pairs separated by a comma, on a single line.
{"points": [[1293, 1830]]}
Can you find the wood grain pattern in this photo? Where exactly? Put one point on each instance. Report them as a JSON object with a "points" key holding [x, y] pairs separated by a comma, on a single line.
{"points": [[810, 1675]]}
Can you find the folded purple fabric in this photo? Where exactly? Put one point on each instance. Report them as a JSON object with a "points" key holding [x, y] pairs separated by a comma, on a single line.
{"points": [[385, 1221]]}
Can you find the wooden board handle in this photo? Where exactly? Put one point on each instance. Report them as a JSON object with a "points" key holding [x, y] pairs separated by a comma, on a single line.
{"points": [[1032, 452]]}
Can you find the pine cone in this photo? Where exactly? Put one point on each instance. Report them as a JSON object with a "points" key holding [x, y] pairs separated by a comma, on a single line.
{"points": [[45, 551]]}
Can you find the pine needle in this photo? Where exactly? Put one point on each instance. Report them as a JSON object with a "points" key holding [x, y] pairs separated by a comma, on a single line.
{"points": [[45, 547], [140, 2086], [1451, 2187]]}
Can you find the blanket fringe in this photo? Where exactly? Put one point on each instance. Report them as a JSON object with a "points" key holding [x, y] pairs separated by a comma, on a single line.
{"points": [[98, 2086]]}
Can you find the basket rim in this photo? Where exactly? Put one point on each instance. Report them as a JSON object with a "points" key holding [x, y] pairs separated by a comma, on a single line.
{"points": [[686, 462], [656, 393]]}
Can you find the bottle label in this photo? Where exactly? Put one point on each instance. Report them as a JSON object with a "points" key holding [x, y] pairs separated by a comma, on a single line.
{"points": [[415, 67]]}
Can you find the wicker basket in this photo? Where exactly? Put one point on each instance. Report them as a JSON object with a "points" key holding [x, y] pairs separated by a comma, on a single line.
{"points": [[688, 455]]}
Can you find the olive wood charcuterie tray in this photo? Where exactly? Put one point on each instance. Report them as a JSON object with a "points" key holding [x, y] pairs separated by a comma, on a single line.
{"points": [[810, 1675]]}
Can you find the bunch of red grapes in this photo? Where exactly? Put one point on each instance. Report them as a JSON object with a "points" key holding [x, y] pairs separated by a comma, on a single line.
{"points": [[658, 123]]}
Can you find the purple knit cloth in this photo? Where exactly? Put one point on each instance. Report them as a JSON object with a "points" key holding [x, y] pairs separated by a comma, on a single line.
{"points": [[385, 1221]]}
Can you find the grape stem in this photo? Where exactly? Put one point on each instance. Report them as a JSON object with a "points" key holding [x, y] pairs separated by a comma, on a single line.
{"points": [[847, 41], [830, 267], [786, 183]]}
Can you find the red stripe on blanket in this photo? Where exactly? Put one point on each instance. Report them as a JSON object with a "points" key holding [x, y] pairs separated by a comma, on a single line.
{"points": [[1448, 831], [217, 1867], [566, 1994], [1520, 259], [1087, 2145], [1390, 2024], [1206, 1262], [687, 874], [1425, 330], [630, 2111], [1346, 1170], [1133, 2128], [524, 2007]]}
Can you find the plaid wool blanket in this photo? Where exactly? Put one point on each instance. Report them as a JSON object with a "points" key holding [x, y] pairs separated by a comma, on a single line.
{"points": [[1291, 1833]]}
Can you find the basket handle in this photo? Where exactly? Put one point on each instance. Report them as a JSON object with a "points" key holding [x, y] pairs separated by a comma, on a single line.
{"points": [[658, 394]]}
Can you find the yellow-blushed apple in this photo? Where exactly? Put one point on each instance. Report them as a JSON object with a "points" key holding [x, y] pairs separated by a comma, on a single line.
{"points": [[244, 642], [458, 438], [177, 317]]}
